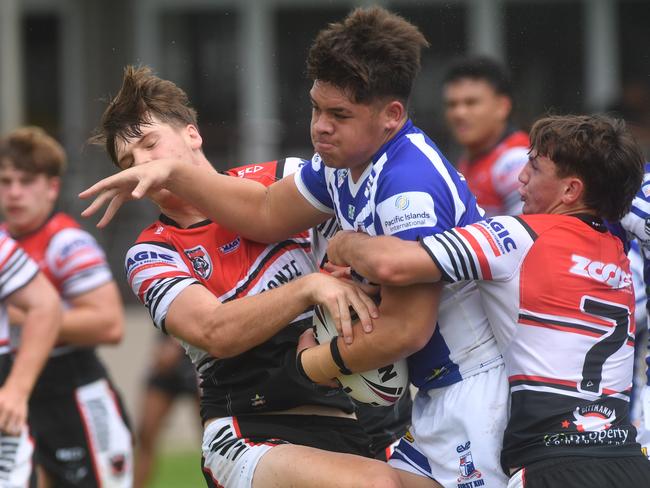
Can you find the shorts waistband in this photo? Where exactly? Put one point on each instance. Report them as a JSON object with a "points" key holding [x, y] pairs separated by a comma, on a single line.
{"points": [[301, 410]]}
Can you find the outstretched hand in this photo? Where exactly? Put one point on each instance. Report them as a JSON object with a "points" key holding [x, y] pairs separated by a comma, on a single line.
{"points": [[131, 184], [338, 296]]}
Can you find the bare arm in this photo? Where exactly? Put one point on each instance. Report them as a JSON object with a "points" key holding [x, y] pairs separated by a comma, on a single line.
{"points": [[407, 321], [41, 304], [228, 329], [385, 259], [264, 214], [95, 317]]}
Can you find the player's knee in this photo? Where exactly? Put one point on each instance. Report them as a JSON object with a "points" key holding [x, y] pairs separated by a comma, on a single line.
{"points": [[382, 477]]}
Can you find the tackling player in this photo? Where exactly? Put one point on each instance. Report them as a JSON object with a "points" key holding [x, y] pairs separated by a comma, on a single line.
{"points": [[478, 104], [558, 291], [239, 307], [79, 426], [378, 173]]}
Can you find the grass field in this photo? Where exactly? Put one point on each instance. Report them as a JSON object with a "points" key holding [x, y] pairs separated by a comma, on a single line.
{"points": [[178, 470]]}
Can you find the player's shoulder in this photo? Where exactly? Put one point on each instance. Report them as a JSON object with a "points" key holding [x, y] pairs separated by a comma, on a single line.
{"points": [[269, 171]]}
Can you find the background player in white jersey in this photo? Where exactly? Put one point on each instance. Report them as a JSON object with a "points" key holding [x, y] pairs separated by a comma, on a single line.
{"points": [[478, 101], [80, 429], [558, 291], [24, 287], [637, 224], [220, 294], [376, 172]]}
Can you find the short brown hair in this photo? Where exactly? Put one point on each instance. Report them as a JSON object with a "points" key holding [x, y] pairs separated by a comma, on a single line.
{"points": [[371, 54], [141, 96], [32, 150], [600, 151]]}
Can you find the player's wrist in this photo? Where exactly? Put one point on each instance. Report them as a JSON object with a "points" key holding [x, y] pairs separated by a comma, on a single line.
{"points": [[316, 364]]}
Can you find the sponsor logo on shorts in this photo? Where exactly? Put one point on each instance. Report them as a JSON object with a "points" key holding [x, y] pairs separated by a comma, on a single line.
{"points": [[249, 170], [69, 454], [201, 262], [258, 400], [470, 477], [593, 424], [118, 464]]}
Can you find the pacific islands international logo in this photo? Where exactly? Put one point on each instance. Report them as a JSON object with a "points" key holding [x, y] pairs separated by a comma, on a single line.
{"points": [[402, 202]]}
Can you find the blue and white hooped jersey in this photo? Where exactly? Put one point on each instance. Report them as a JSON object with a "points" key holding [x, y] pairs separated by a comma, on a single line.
{"points": [[637, 224], [410, 191]]}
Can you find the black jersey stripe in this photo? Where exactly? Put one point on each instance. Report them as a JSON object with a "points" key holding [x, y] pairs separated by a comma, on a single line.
{"points": [[443, 272], [269, 256], [279, 168], [460, 258], [533, 235], [562, 323]]}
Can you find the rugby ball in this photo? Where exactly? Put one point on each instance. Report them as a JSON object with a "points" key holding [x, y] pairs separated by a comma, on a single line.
{"points": [[380, 387]]}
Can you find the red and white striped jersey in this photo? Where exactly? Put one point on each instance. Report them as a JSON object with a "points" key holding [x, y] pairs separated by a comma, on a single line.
{"points": [[558, 293], [494, 176], [68, 255], [70, 258], [166, 259], [16, 271]]}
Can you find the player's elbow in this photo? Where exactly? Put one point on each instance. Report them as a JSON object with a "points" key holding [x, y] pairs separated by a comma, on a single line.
{"points": [[413, 336], [220, 343], [114, 333], [389, 272]]}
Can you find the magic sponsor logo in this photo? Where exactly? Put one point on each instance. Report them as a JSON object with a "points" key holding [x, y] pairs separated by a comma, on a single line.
{"points": [[405, 211], [146, 257], [230, 246], [498, 236]]}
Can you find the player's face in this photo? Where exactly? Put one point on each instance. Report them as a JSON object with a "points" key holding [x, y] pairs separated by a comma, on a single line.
{"points": [[475, 113], [159, 140], [344, 133], [542, 188], [26, 199]]}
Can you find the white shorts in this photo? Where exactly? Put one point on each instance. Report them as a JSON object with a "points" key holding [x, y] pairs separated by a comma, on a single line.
{"points": [[16, 460], [457, 432], [229, 460], [643, 431]]}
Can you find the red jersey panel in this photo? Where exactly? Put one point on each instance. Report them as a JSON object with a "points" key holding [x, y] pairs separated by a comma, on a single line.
{"points": [[493, 177]]}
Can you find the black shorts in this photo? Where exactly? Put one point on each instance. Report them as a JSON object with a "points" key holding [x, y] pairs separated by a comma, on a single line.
{"points": [[592, 472], [80, 429], [176, 381]]}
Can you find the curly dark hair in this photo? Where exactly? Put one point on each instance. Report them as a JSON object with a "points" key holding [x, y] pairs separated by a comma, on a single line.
{"points": [[600, 151], [371, 54], [141, 96]]}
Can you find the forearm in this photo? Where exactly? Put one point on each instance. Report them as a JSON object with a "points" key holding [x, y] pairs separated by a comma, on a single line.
{"points": [[229, 329], [239, 204], [39, 333], [385, 260], [402, 329]]}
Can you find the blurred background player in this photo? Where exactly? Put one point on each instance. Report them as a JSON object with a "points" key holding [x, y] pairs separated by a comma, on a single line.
{"points": [[25, 288], [171, 377], [478, 102], [81, 433]]}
